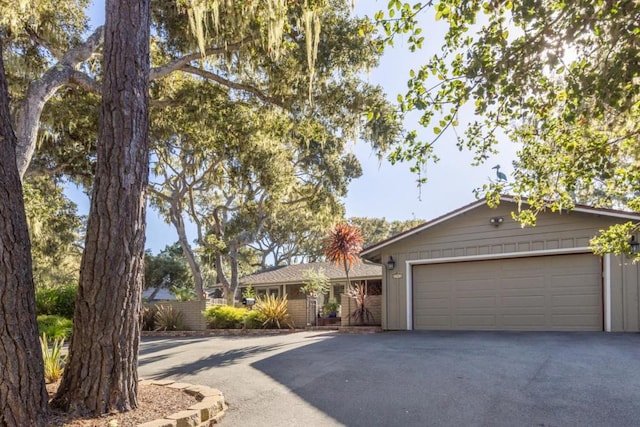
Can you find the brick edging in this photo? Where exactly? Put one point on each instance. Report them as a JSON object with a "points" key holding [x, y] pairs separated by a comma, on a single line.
{"points": [[219, 332], [209, 410]]}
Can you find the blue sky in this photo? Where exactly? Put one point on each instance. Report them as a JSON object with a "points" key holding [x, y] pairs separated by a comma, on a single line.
{"points": [[385, 190]]}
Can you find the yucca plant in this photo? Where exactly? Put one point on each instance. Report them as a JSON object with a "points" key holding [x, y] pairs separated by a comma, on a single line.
{"points": [[168, 318], [273, 312], [149, 318], [361, 314], [343, 247], [53, 358]]}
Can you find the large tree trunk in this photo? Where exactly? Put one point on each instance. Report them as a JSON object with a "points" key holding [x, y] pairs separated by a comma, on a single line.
{"points": [[23, 397], [101, 375]]}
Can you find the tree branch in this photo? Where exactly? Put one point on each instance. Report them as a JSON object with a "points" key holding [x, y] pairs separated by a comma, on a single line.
{"points": [[178, 63], [33, 34], [85, 82], [233, 85]]}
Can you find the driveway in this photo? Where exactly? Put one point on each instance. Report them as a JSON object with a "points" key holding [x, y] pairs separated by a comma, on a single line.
{"points": [[411, 378]]}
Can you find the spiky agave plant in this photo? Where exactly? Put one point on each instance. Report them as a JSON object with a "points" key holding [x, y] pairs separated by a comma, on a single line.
{"points": [[273, 312], [343, 247], [361, 314]]}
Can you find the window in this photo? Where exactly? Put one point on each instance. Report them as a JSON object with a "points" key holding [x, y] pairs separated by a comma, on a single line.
{"points": [[294, 292], [374, 287]]}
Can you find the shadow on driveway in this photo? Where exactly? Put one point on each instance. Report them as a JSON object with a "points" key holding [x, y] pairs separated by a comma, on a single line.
{"points": [[464, 378], [218, 360]]}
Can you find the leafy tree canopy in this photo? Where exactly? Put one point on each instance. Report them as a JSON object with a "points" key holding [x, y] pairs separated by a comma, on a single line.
{"points": [[54, 229], [375, 230], [167, 269], [560, 79]]}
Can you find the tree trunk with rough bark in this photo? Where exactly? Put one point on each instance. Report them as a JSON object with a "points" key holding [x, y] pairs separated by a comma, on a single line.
{"points": [[101, 374], [23, 397]]}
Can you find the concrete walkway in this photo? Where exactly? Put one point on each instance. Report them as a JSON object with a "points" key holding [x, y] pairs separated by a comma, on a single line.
{"points": [[411, 378]]}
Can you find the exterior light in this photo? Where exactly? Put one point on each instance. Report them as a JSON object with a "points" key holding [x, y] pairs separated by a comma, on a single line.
{"points": [[496, 220], [391, 264], [635, 245]]}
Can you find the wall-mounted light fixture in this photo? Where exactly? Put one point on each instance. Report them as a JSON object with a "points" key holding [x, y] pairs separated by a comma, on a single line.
{"points": [[635, 245], [391, 264], [496, 220]]}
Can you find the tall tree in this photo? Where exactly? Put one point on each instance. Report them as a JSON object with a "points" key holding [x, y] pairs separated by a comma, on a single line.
{"points": [[375, 230], [23, 397], [54, 228], [102, 372], [559, 78], [169, 268]]}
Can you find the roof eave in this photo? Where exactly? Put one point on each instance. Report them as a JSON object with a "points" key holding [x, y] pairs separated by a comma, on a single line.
{"points": [[371, 252]]}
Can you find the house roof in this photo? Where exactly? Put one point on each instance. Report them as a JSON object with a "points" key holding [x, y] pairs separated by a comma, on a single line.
{"points": [[578, 208], [295, 273], [158, 294]]}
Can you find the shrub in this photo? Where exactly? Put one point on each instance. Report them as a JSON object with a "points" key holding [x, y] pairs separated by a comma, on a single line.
{"points": [[149, 318], [168, 318], [56, 300], [53, 358], [273, 311], [55, 327], [253, 319], [225, 317], [361, 314]]}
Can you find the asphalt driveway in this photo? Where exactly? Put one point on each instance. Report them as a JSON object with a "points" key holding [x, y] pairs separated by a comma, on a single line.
{"points": [[411, 378]]}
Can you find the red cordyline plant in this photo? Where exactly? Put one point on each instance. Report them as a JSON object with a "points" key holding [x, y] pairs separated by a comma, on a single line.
{"points": [[343, 248]]}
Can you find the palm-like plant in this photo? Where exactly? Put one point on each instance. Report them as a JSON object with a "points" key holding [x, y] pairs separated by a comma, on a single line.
{"points": [[343, 248]]}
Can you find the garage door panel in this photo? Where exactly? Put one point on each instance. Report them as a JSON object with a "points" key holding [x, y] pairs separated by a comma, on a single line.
{"points": [[522, 301], [537, 293], [478, 302], [528, 284], [438, 322], [476, 285], [587, 301], [467, 321]]}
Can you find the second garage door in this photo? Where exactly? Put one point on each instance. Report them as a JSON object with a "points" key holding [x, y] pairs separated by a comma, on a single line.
{"points": [[546, 293]]}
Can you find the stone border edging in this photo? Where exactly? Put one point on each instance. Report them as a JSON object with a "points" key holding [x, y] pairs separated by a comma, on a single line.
{"points": [[258, 332], [219, 332], [209, 410]]}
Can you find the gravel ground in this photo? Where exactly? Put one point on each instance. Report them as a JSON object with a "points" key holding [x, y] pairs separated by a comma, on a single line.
{"points": [[153, 402]]}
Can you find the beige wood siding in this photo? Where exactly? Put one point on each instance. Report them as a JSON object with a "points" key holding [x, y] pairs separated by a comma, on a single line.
{"points": [[562, 292], [625, 294]]}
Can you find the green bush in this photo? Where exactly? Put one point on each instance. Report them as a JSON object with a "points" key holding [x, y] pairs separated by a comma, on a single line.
{"points": [[56, 300], [55, 327], [225, 317], [253, 319]]}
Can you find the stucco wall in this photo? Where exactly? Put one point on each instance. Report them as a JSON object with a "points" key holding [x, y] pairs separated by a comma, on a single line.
{"points": [[298, 311], [191, 312]]}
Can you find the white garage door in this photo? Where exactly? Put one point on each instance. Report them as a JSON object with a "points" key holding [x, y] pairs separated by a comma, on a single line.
{"points": [[546, 293]]}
